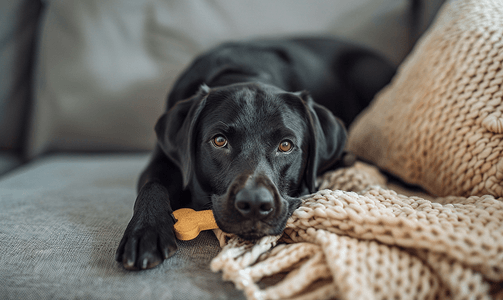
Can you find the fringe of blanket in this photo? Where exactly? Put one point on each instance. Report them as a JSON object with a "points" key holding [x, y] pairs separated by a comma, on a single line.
{"points": [[356, 239]]}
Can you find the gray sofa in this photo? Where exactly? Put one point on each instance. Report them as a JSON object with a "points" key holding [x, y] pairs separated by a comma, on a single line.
{"points": [[82, 84]]}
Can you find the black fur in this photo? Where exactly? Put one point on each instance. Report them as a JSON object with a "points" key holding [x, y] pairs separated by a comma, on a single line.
{"points": [[255, 96]]}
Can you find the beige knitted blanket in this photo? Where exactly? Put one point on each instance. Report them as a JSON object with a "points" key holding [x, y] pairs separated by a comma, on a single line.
{"points": [[373, 243]]}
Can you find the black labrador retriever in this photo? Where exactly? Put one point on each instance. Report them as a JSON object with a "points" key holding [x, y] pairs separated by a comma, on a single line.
{"points": [[247, 129]]}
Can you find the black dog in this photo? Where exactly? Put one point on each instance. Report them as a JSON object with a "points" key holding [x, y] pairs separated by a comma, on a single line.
{"points": [[242, 136]]}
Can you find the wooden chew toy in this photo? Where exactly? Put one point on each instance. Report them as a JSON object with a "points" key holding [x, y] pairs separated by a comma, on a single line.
{"points": [[190, 222]]}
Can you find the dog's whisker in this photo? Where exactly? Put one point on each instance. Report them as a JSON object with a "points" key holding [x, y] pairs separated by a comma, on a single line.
{"points": [[208, 206], [267, 223]]}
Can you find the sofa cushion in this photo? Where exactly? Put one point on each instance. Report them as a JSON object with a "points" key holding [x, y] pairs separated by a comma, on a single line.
{"points": [[105, 67], [17, 43], [439, 124], [61, 220]]}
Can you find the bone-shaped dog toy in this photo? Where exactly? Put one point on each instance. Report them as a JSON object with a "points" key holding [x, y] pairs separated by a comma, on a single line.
{"points": [[190, 222]]}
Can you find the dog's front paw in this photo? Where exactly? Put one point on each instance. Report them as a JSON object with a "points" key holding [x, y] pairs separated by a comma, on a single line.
{"points": [[144, 245]]}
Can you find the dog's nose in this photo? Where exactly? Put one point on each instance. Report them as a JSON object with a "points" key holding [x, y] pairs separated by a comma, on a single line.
{"points": [[255, 203]]}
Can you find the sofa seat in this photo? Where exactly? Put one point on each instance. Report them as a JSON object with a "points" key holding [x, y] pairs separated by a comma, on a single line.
{"points": [[61, 219]]}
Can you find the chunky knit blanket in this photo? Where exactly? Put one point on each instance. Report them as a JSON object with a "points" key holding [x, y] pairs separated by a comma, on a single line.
{"points": [[356, 239]]}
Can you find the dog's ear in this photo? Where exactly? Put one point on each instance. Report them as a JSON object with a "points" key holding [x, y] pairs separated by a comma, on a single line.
{"points": [[327, 140], [175, 131]]}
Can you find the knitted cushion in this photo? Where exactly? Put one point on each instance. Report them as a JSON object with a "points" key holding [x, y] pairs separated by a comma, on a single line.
{"points": [[439, 123]]}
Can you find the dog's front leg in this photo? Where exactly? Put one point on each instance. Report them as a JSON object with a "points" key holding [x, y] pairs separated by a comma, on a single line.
{"points": [[149, 237]]}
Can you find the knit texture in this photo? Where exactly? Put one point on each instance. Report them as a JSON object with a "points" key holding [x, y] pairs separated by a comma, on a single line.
{"points": [[374, 244], [439, 123]]}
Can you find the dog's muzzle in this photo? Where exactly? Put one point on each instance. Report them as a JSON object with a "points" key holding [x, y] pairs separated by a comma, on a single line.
{"points": [[251, 208]]}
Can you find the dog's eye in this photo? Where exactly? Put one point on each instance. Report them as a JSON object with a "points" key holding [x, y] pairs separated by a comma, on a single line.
{"points": [[219, 141], [285, 146]]}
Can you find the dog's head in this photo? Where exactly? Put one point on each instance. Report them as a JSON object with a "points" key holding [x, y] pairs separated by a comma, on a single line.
{"points": [[253, 148]]}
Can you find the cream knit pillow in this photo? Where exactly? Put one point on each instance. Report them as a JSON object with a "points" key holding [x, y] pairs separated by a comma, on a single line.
{"points": [[439, 123]]}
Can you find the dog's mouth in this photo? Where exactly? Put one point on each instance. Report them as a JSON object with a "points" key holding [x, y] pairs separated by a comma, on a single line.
{"points": [[248, 230], [230, 221], [252, 236]]}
